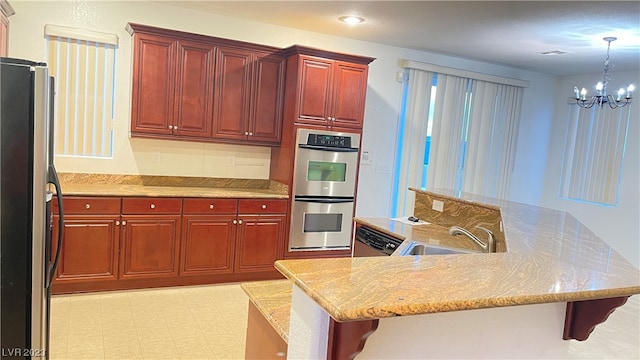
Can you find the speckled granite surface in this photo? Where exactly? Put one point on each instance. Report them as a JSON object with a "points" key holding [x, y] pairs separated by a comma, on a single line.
{"points": [[273, 299], [169, 186], [551, 257]]}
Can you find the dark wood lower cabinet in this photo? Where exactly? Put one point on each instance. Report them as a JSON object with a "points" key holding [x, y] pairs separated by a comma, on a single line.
{"points": [[259, 240], [207, 245], [149, 246], [90, 248], [130, 243]]}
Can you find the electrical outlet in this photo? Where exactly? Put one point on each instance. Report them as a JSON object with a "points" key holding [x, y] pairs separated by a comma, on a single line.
{"points": [[156, 157], [438, 205]]}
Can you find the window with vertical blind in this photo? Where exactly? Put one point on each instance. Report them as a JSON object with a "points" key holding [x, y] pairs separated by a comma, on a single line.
{"points": [[83, 65], [593, 154], [457, 131]]}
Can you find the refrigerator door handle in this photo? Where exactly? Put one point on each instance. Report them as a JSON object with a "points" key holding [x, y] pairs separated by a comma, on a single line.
{"points": [[53, 179]]}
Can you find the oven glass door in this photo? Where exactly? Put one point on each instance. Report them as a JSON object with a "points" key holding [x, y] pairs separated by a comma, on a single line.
{"points": [[321, 223], [325, 172]]}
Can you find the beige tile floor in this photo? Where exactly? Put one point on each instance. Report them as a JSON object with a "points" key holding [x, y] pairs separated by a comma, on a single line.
{"points": [[209, 322]]}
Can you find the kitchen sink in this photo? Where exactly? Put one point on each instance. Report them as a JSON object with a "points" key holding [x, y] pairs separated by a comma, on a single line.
{"points": [[420, 248]]}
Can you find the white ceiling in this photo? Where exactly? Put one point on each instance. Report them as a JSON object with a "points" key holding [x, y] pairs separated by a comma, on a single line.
{"points": [[512, 33]]}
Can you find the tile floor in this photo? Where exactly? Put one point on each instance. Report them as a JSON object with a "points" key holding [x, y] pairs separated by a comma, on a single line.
{"points": [[209, 322]]}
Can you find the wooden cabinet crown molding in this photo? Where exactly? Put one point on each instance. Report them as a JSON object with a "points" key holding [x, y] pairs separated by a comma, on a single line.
{"points": [[309, 51], [6, 8], [177, 34]]}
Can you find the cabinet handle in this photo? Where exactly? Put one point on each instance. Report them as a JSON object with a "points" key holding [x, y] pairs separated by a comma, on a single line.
{"points": [[153, 206], [124, 222], [250, 134], [170, 127], [240, 222], [211, 206], [175, 127], [87, 206], [235, 222], [264, 207], [117, 222], [246, 133]]}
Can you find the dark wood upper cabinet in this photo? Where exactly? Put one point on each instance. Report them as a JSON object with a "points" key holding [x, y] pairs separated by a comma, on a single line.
{"points": [[233, 82], [154, 64], [249, 88], [329, 89], [195, 87]]}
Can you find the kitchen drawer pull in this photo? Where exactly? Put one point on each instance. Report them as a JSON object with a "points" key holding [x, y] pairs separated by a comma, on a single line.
{"points": [[235, 222], [153, 206], [87, 206], [211, 206], [117, 222], [264, 207], [240, 222]]}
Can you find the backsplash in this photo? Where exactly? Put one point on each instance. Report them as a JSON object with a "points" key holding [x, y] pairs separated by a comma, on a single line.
{"points": [[461, 213]]}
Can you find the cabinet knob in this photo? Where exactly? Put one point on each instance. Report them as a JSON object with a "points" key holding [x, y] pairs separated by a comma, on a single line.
{"points": [[250, 134], [211, 206], [170, 127], [153, 206], [264, 207], [87, 206], [124, 222], [240, 222], [175, 127], [246, 133], [281, 354], [235, 222], [117, 222]]}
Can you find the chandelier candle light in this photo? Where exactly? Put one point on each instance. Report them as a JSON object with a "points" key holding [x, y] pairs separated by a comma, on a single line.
{"points": [[601, 98]]}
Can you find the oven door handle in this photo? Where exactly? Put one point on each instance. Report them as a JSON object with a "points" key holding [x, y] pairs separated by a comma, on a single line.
{"points": [[324, 200], [327, 148]]}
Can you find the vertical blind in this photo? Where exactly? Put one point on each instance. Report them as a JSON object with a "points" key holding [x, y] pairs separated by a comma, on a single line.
{"points": [[593, 154], [473, 137], [83, 65]]}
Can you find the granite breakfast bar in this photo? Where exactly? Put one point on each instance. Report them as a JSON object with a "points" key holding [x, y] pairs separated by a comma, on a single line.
{"points": [[554, 280]]}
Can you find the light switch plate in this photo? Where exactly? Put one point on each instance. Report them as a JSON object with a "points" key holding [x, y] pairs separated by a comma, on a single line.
{"points": [[438, 205]]}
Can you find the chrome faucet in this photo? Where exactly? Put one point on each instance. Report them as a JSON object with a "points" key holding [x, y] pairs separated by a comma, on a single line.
{"points": [[488, 247]]}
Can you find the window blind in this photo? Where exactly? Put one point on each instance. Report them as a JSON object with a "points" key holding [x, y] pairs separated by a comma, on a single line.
{"points": [[83, 65], [593, 154]]}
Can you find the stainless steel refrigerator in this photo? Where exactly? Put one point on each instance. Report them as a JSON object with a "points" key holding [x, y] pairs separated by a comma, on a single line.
{"points": [[27, 175]]}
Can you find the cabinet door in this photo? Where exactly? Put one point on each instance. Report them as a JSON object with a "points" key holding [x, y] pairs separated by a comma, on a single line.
{"points": [[258, 242], [232, 94], [149, 246], [314, 82], [348, 94], [207, 244], [153, 84], [194, 89], [90, 248], [266, 106]]}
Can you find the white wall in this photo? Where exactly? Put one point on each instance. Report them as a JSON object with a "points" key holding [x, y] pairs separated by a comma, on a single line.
{"points": [[619, 226]]}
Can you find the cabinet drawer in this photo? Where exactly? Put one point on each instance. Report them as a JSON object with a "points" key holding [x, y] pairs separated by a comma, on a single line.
{"points": [[151, 206], [89, 205], [258, 206], [210, 206]]}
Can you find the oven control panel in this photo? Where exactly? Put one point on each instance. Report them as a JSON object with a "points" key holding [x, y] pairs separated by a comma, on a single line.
{"points": [[329, 140]]}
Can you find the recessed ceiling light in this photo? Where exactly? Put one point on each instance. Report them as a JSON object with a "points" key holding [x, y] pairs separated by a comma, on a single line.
{"points": [[351, 19]]}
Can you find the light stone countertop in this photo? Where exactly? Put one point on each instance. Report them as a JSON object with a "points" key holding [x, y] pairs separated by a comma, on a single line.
{"points": [[551, 257], [273, 299], [169, 186]]}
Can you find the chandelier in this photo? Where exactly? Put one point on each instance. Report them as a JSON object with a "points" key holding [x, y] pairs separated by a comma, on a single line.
{"points": [[601, 98]]}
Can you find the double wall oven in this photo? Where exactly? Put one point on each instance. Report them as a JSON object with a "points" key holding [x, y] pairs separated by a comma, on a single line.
{"points": [[324, 184]]}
